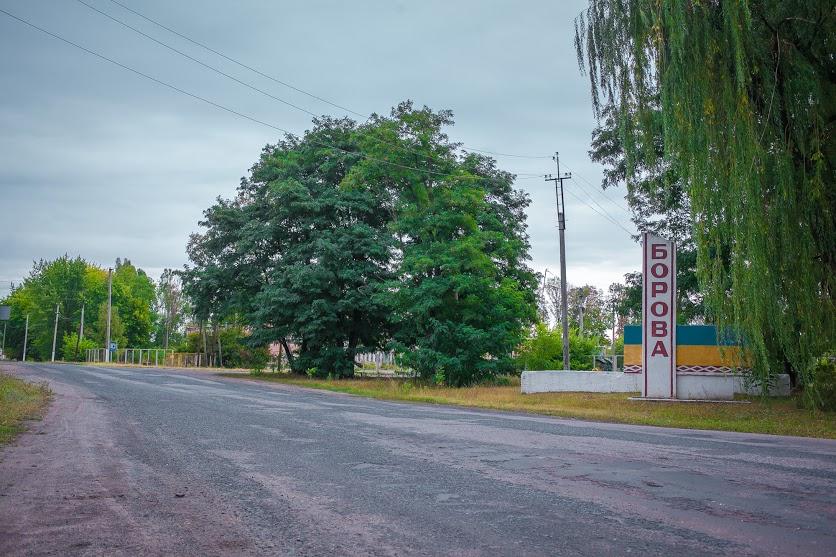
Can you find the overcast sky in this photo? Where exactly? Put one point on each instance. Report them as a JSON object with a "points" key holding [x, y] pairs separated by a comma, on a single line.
{"points": [[99, 162]]}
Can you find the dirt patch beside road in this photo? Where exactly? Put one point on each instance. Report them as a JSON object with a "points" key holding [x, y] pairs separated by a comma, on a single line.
{"points": [[67, 487]]}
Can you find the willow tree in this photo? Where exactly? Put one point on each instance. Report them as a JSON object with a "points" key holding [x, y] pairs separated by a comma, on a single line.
{"points": [[747, 99]]}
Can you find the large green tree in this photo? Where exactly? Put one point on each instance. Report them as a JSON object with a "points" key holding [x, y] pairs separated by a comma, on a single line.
{"points": [[463, 294], [356, 235], [743, 97], [302, 252]]}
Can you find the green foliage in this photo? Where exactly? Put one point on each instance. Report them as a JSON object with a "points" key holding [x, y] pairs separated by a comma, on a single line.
{"points": [[237, 348], [237, 351], [586, 303], [543, 350], [741, 96], [340, 250], [301, 253], [71, 284], [171, 310], [73, 350], [820, 392], [463, 292], [192, 343], [134, 295], [98, 329]]}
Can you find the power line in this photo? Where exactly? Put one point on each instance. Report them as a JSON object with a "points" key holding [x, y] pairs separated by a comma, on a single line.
{"points": [[267, 76], [603, 215], [603, 212], [237, 62], [601, 207], [601, 193], [231, 110], [195, 60], [244, 83]]}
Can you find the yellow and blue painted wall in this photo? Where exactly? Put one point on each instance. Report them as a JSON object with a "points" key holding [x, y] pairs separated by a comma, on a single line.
{"points": [[699, 350]]}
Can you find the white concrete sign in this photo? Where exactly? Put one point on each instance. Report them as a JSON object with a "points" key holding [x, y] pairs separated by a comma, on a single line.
{"points": [[658, 317]]}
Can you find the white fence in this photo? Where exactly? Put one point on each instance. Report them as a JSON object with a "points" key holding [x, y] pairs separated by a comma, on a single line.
{"points": [[379, 359], [153, 357]]}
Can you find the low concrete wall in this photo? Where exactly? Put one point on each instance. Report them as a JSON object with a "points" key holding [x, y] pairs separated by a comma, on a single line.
{"points": [[688, 386], [580, 381], [780, 387]]}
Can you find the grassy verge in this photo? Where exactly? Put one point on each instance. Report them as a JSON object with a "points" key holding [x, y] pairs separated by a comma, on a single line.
{"points": [[778, 416], [19, 401]]}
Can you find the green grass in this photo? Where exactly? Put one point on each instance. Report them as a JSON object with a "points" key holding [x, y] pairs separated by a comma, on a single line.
{"points": [[19, 401], [777, 416]]}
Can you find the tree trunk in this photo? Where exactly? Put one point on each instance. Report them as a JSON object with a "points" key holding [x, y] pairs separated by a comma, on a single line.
{"points": [[167, 329], [220, 350], [289, 354], [203, 334]]}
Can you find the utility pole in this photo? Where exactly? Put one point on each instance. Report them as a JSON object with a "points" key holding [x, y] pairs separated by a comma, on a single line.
{"points": [[614, 324], [80, 331], [109, 308], [25, 336], [561, 225], [55, 331]]}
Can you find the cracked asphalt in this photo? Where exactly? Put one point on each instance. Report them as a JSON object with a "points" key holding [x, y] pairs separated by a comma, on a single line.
{"points": [[164, 462]]}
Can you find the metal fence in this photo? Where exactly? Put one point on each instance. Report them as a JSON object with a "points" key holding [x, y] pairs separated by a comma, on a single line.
{"points": [[158, 357], [608, 362], [379, 359]]}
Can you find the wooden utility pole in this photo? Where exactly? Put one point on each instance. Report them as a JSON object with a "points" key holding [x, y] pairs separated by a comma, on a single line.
{"points": [[25, 336], [109, 310], [561, 225], [55, 331], [80, 331]]}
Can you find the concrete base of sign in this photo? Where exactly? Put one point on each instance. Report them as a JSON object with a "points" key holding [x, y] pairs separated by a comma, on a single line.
{"points": [[689, 386], [686, 400], [705, 387]]}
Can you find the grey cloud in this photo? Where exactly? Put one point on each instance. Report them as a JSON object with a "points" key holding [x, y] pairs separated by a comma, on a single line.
{"points": [[99, 162]]}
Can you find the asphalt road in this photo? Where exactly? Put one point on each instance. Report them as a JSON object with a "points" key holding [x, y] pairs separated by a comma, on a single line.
{"points": [[161, 462]]}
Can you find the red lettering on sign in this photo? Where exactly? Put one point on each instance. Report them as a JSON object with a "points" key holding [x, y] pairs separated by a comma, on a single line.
{"points": [[658, 288], [658, 251], [659, 309], [659, 349], [660, 328], [659, 270]]}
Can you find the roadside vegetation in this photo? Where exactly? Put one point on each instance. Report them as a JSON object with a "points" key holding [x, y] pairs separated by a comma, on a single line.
{"points": [[387, 235], [777, 416], [19, 401]]}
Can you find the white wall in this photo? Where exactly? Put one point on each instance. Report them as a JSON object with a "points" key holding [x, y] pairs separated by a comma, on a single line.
{"points": [[688, 386]]}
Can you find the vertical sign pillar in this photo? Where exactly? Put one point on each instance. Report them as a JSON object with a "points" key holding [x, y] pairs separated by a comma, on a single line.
{"points": [[658, 317]]}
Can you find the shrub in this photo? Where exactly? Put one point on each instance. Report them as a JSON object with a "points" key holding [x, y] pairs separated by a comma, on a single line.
{"points": [[820, 391], [544, 350], [68, 347]]}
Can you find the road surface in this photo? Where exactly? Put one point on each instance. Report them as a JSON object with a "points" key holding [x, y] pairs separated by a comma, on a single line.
{"points": [[162, 462]]}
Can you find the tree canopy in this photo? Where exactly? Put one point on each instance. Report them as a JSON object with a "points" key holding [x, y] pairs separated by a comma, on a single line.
{"points": [[742, 95], [71, 283], [357, 237]]}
